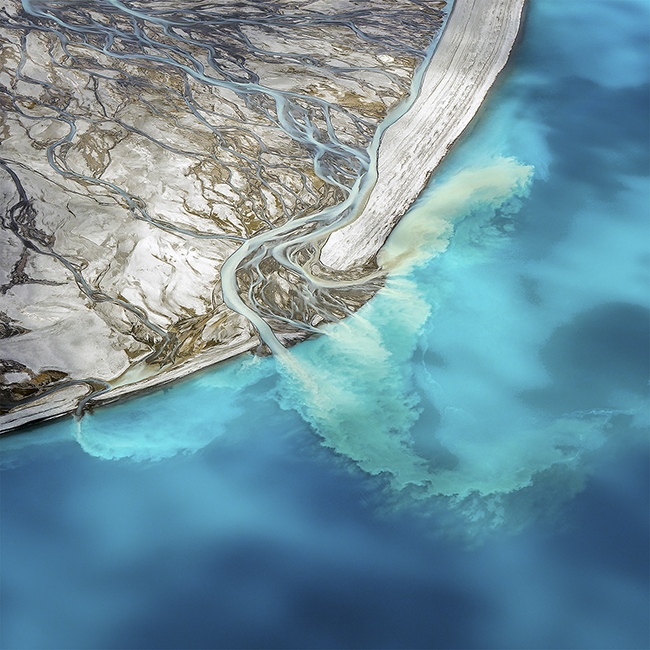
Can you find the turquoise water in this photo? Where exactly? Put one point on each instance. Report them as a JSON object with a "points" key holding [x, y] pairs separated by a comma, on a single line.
{"points": [[462, 464]]}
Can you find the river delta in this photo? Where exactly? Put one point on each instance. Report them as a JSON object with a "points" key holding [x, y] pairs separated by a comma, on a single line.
{"points": [[463, 462], [142, 145]]}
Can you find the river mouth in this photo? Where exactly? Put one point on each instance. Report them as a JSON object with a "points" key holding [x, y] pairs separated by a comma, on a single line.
{"points": [[170, 175]]}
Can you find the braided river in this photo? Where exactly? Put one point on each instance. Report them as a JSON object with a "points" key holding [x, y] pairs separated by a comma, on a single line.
{"points": [[463, 462]]}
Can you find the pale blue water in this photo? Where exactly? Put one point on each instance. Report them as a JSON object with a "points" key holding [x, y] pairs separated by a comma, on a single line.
{"points": [[464, 464]]}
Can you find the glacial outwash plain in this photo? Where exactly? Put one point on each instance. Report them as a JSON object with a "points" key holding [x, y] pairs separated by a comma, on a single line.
{"points": [[184, 182]]}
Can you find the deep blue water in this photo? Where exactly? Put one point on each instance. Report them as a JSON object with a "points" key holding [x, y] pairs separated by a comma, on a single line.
{"points": [[463, 464]]}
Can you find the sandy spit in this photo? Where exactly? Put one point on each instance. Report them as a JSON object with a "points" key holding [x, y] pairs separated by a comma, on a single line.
{"points": [[473, 49]]}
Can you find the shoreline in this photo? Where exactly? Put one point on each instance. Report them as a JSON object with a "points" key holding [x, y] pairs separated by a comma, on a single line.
{"points": [[452, 91], [65, 401]]}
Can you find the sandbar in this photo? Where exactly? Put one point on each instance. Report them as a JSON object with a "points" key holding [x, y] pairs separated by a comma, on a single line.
{"points": [[473, 49]]}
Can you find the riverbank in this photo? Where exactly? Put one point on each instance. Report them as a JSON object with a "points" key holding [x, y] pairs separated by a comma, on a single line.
{"points": [[473, 49]]}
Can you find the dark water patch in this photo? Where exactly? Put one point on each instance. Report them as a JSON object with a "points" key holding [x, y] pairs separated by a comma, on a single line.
{"points": [[606, 547], [530, 288], [616, 500], [598, 139], [601, 352], [257, 595], [601, 132]]}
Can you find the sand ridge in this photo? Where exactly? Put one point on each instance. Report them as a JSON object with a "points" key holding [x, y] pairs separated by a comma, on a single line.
{"points": [[473, 49]]}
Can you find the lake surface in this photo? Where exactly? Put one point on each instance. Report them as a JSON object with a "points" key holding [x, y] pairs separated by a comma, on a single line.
{"points": [[462, 464]]}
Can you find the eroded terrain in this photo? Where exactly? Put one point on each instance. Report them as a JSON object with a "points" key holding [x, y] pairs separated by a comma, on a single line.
{"points": [[145, 143]]}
